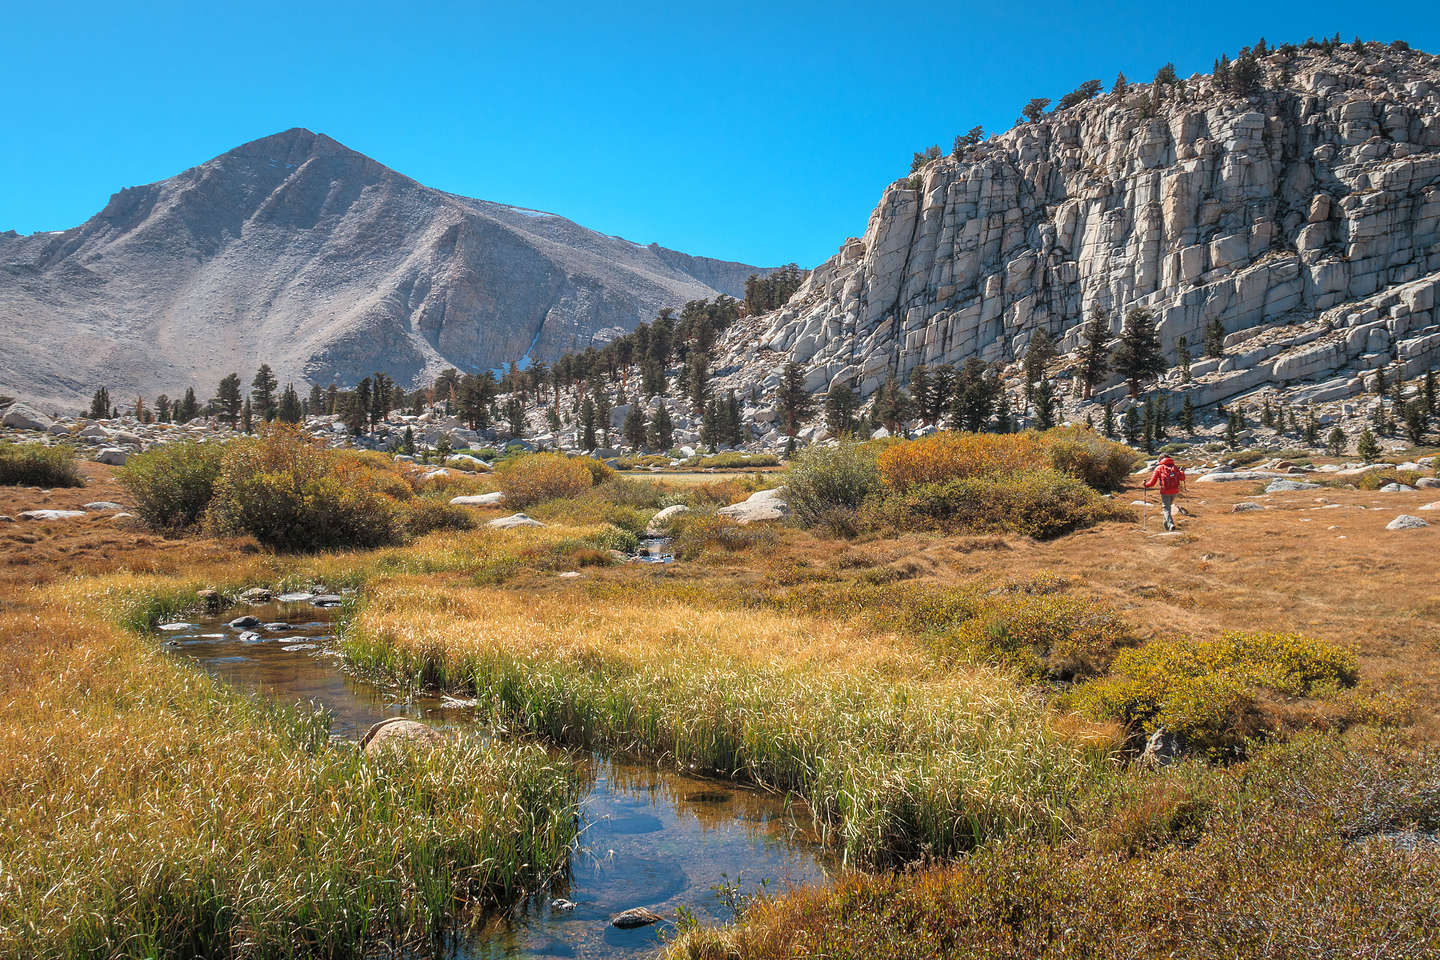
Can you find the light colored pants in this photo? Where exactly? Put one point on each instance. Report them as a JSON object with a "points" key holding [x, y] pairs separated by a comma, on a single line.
{"points": [[1166, 501]]}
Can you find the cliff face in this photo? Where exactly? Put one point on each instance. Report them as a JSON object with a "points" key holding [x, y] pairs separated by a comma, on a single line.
{"points": [[299, 252], [1306, 218]]}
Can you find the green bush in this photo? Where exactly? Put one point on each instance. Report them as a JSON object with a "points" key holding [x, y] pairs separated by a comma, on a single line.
{"points": [[291, 494], [697, 534], [536, 477], [172, 484], [614, 538], [1210, 693], [827, 483], [734, 459], [423, 515], [1089, 457], [1040, 503], [36, 465]]}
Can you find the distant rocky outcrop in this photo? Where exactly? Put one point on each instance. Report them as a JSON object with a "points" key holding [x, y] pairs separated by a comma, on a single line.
{"points": [[296, 251], [1305, 218]]}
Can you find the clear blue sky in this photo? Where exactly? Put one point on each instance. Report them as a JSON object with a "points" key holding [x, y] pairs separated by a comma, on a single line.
{"points": [[755, 132]]}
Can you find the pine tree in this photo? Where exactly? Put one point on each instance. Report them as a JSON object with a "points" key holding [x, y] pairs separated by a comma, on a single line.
{"points": [[1336, 441], [1187, 414], [840, 406], [734, 432], [227, 398], [662, 431], [515, 415], [162, 408], [289, 409], [975, 396], [1095, 354], [602, 416], [1367, 448], [1107, 425], [1137, 357], [1312, 430], [247, 417], [891, 406], [1120, 85], [1002, 412], [1379, 384], [920, 392], [317, 400], [189, 407], [1215, 338], [262, 393], [940, 387], [793, 402], [587, 425], [1427, 390], [1131, 425], [634, 426], [1038, 355], [1182, 357], [100, 404], [1417, 420], [1045, 404]]}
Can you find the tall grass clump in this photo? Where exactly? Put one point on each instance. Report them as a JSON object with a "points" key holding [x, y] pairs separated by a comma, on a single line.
{"points": [[827, 485], [172, 484], [943, 457], [36, 465], [1214, 694], [1041, 503], [533, 478], [159, 814], [291, 494], [894, 769]]}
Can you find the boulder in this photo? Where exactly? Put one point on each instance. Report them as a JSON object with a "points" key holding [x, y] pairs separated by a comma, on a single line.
{"points": [[1231, 476], [1286, 486], [1406, 522], [99, 505], [114, 456], [1397, 488], [478, 500], [635, 917], [660, 523], [1427, 483], [395, 733], [22, 416], [51, 514], [515, 520], [763, 505], [257, 595], [1433, 505], [246, 622]]}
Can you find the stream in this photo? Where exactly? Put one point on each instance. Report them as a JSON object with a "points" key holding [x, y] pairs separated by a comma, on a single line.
{"points": [[649, 837]]}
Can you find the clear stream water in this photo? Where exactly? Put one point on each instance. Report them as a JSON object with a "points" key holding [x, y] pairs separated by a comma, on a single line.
{"points": [[649, 837]]}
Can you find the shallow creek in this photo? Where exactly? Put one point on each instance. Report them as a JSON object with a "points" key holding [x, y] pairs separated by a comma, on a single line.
{"points": [[649, 837]]}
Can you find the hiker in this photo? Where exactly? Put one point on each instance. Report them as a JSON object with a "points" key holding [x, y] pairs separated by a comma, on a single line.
{"points": [[1169, 477]]}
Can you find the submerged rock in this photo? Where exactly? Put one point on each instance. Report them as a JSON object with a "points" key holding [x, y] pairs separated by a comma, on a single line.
{"points": [[246, 622], [635, 917]]}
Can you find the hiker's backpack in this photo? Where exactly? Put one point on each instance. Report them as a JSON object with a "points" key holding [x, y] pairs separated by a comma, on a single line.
{"points": [[1169, 476]]}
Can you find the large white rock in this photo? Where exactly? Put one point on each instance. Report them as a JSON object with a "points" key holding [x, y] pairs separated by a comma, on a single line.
{"points": [[22, 416], [660, 523], [1406, 522], [51, 514], [515, 520], [478, 500], [763, 505], [114, 456]]}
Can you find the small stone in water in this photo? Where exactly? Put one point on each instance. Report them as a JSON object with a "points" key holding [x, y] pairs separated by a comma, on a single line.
{"points": [[250, 636], [277, 626], [298, 646], [295, 597], [328, 600], [244, 623], [562, 905], [172, 627], [635, 917]]}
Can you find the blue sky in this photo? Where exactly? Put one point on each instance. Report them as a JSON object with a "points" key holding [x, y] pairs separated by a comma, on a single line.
{"points": [[754, 132]]}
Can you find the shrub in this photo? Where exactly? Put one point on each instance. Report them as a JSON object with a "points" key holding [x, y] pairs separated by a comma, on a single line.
{"points": [[600, 471], [291, 494], [1039, 503], [535, 477], [1089, 457], [611, 537], [697, 534], [824, 481], [1074, 451], [172, 484], [36, 465], [734, 459], [1209, 692], [423, 515], [1042, 634]]}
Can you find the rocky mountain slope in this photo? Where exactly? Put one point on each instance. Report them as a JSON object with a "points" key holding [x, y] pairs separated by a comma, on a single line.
{"points": [[1304, 217], [299, 252]]}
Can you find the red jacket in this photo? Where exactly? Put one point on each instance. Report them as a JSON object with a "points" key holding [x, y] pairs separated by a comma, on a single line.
{"points": [[1167, 475]]}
